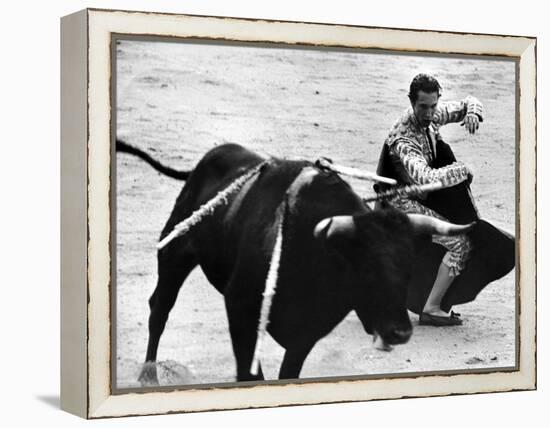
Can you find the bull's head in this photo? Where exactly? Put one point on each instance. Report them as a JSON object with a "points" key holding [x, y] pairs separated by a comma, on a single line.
{"points": [[379, 248]]}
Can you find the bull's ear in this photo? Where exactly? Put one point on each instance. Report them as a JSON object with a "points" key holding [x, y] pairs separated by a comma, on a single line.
{"points": [[335, 229]]}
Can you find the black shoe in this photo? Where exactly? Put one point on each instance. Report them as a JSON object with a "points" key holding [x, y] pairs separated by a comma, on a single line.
{"points": [[439, 320]]}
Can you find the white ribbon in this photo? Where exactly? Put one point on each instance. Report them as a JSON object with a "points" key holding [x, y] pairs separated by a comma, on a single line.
{"points": [[269, 292]]}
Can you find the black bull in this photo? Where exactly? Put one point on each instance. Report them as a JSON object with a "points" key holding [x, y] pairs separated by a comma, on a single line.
{"points": [[362, 263]]}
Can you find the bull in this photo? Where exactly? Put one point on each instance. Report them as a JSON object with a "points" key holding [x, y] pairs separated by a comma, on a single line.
{"points": [[338, 255]]}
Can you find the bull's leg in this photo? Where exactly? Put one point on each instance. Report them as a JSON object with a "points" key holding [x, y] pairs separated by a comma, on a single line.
{"points": [[171, 277], [243, 324], [293, 361]]}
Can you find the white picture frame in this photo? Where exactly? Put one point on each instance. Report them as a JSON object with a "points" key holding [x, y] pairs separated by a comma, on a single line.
{"points": [[86, 212]]}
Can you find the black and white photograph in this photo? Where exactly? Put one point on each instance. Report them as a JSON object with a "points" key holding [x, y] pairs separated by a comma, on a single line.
{"points": [[270, 214], [294, 213]]}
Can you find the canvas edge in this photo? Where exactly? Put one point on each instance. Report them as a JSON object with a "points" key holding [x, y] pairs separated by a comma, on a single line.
{"points": [[73, 211], [102, 404], [527, 209]]}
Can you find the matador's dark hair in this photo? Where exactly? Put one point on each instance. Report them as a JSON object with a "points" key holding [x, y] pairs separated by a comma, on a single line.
{"points": [[423, 82]]}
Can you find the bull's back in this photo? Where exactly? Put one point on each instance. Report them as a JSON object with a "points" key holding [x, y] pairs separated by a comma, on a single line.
{"points": [[215, 171], [248, 224]]}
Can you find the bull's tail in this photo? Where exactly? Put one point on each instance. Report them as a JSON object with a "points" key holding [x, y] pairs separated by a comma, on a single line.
{"points": [[123, 147]]}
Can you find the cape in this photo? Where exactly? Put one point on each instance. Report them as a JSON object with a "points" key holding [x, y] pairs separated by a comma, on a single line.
{"points": [[493, 254]]}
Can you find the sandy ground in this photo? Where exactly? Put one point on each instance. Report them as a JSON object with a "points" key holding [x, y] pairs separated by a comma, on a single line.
{"points": [[177, 101]]}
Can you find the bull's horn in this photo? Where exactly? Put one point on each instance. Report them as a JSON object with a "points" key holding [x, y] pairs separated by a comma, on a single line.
{"points": [[338, 225], [433, 226]]}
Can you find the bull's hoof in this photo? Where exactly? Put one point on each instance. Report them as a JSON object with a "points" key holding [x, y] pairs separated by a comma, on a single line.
{"points": [[380, 344], [148, 375]]}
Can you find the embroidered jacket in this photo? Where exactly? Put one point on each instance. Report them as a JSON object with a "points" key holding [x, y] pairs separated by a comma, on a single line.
{"points": [[412, 147]]}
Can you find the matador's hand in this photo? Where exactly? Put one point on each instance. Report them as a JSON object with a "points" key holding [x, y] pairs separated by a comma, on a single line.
{"points": [[471, 122]]}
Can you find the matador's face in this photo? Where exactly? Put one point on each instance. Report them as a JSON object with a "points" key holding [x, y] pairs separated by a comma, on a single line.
{"points": [[424, 107]]}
